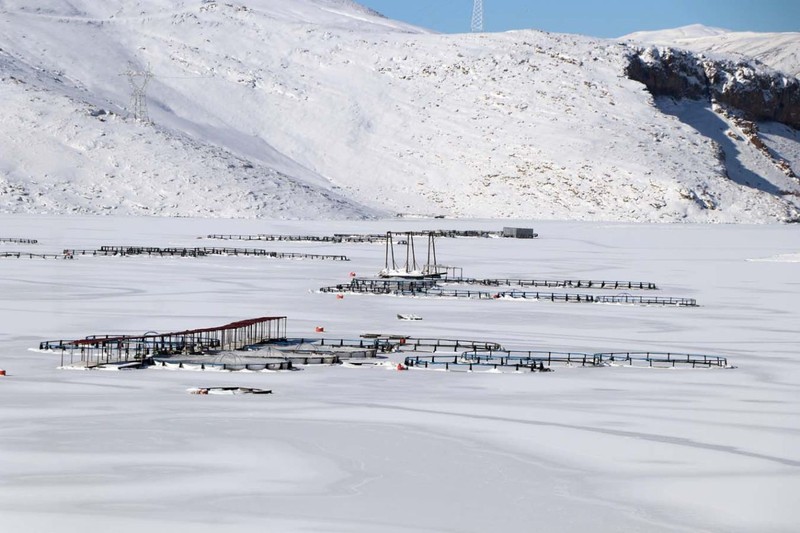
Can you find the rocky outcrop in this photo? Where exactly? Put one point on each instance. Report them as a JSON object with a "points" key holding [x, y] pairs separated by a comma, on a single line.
{"points": [[749, 130], [760, 94], [669, 72]]}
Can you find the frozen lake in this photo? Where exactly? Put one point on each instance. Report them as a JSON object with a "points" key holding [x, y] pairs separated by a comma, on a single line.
{"points": [[371, 449]]}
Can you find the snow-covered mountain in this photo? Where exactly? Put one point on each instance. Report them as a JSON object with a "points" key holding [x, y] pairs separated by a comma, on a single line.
{"points": [[780, 51], [323, 108]]}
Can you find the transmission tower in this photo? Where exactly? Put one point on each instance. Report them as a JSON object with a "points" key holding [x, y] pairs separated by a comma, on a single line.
{"points": [[477, 16], [138, 80]]}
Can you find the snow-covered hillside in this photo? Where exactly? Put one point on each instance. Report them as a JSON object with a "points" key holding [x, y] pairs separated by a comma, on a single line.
{"points": [[63, 157], [780, 51], [316, 108]]}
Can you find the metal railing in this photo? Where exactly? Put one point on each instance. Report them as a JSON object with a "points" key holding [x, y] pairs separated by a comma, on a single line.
{"points": [[565, 283], [18, 241], [664, 359], [543, 360], [200, 252], [430, 288]]}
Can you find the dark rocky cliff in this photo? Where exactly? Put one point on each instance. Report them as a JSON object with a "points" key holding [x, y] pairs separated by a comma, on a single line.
{"points": [[760, 95]]}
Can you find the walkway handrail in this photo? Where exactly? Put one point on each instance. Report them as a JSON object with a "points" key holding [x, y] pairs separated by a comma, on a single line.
{"points": [[27, 255], [199, 252], [540, 359], [668, 358], [352, 237], [430, 288], [567, 283], [18, 241]]}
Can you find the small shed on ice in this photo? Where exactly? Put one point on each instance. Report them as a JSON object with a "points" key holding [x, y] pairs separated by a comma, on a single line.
{"points": [[519, 233]]}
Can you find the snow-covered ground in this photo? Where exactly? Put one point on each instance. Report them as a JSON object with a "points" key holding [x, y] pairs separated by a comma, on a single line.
{"points": [[368, 449], [322, 109]]}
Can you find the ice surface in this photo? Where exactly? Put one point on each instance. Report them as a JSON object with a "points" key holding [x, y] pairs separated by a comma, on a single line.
{"points": [[369, 449]]}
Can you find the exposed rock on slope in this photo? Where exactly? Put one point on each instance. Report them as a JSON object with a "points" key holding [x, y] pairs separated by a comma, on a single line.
{"points": [[740, 94], [760, 95], [779, 51]]}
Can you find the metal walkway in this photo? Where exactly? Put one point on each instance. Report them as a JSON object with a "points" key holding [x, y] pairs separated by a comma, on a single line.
{"points": [[200, 252], [97, 350], [433, 288], [544, 360]]}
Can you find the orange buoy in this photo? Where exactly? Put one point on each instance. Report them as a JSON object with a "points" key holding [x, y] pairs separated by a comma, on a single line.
{"points": [[319, 329], [2, 372], [352, 274]]}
